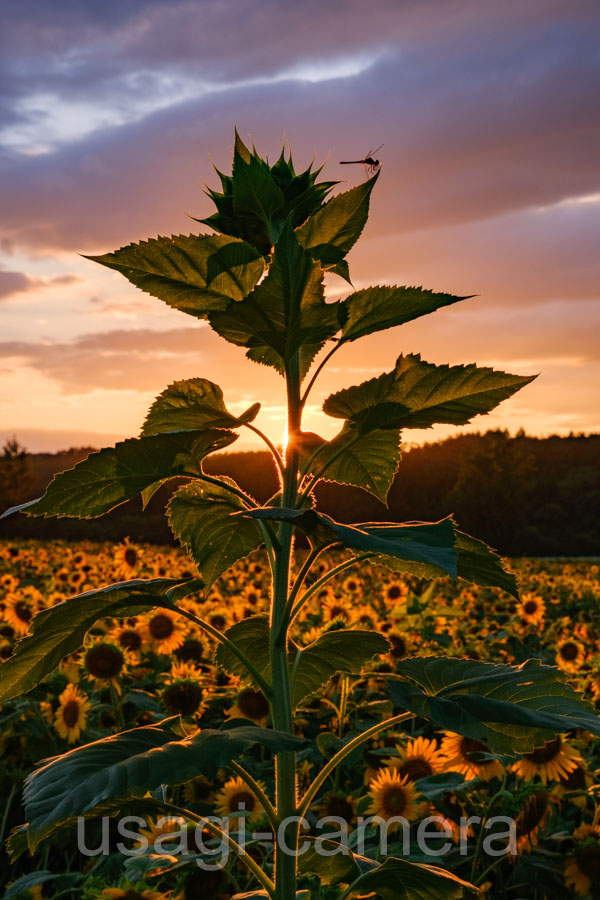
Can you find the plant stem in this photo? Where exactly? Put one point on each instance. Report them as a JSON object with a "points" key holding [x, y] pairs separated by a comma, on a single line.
{"points": [[323, 580], [317, 372], [323, 775], [258, 792], [310, 559], [281, 704], [270, 445], [222, 639], [213, 829]]}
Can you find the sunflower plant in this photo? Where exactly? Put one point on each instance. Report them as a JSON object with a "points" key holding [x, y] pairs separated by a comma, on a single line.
{"points": [[258, 281]]}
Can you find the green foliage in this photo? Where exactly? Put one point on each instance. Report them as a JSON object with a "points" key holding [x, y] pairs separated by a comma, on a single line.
{"points": [[200, 516], [196, 275], [60, 630], [416, 394], [398, 879], [252, 637], [512, 708], [114, 475], [344, 651], [131, 763], [193, 405]]}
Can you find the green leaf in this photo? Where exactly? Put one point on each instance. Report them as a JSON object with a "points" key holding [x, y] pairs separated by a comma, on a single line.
{"points": [[251, 636], [477, 563], [131, 763], [59, 630], [191, 405], [345, 651], [369, 461], [429, 542], [337, 866], [201, 517], [512, 708], [116, 474], [23, 886], [417, 394], [381, 307], [191, 273], [285, 312], [334, 229], [398, 879], [256, 199]]}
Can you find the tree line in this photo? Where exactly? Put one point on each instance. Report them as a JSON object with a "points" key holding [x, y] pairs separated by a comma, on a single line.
{"points": [[525, 496]]}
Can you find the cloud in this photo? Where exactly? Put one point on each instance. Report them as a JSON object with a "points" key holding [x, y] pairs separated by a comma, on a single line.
{"points": [[12, 283]]}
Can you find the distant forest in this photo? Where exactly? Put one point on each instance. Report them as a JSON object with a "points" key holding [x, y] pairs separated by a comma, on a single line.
{"points": [[525, 496]]}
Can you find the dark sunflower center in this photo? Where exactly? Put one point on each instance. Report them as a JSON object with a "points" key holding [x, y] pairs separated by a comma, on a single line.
{"points": [[545, 754], [394, 800], [340, 808], [394, 592], [414, 768], [131, 640], [161, 627], [338, 612], [588, 860], [130, 556], [218, 621], [569, 651], [530, 607], [532, 813], [242, 801], [575, 780], [472, 751], [398, 650], [190, 649], [352, 585], [22, 611], [184, 698], [253, 704], [103, 661], [252, 598], [70, 713]]}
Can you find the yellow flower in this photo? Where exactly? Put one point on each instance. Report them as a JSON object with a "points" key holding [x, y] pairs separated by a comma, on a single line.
{"points": [[334, 609], [467, 756], [71, 716], [338, 804], [103, 661], [235, 797], [550, 762], [250, 704], [530, 819], [532, 609], [19, 610], [391, 796], [127, 557], [164, 630], [395, 592], [570, 655], [419, 759], [582, 868]]}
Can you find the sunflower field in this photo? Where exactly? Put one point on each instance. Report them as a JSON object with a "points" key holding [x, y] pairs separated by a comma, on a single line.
{"points": [[137, 671]]}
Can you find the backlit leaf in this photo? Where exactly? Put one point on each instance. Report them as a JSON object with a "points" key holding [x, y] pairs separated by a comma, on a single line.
{"points": [[334, 229], [193, 404]]}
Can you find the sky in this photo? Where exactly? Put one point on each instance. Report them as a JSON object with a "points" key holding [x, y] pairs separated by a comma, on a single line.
{"points": [[112, 115]]}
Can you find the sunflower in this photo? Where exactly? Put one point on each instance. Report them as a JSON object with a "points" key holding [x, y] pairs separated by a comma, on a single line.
{"points": [[576, 784], [104, 662], [192, 650], [532, 609], [470, 757], [235, 797], [352, 585], [531, 818], [250, 704], [335, 610], [19, 610], [375, 755], [394, 592], [339, 805], [582, 868], [71, 716], [130, 639], [570, 655], [252, 595], [156, 829], [391, 796], [184, 694], [127, 558], [419, 759], [550, 762], [164, 630], [400, 642]]}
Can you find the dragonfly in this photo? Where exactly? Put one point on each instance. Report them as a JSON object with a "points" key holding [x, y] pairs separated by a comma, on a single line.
{"points": [[372, 165]]}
